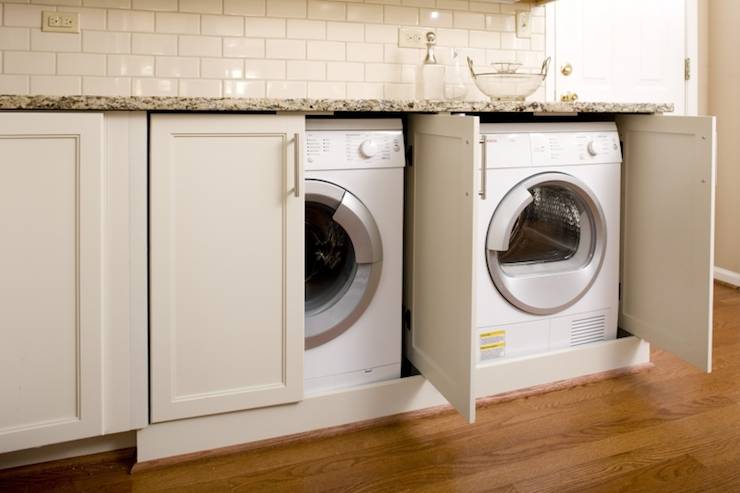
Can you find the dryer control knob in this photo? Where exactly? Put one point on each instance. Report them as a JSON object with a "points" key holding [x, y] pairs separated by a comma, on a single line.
{"points": [[368, 148], [591, 148]]}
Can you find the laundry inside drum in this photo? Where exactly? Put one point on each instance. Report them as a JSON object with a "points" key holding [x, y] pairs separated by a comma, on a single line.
{"points": [[329, 259], [548, 229]]}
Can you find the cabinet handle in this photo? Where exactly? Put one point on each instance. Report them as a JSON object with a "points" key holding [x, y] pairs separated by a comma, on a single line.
{"points": [[484, 162], [297, 164]]}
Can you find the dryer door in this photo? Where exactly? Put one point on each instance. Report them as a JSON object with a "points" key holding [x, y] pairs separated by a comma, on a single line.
{"points": [[546, 243], [343, 260]]}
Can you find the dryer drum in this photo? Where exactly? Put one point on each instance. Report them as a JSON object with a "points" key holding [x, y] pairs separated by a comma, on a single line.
{"points": [[343, 255], [546, 243]]}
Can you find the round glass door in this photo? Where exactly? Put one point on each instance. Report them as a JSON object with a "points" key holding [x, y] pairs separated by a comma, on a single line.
{"points": [[343, 254], [545, 243]]}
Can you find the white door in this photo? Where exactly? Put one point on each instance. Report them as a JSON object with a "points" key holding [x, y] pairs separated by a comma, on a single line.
{"points": [[623, 51], [668, 233], [226, 247], [50, 282], [443, 193]]}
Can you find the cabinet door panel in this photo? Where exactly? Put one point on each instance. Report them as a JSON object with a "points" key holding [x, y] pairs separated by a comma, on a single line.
{"points": [[227, 264], [50, 289], [668, 233], [443, 248]]}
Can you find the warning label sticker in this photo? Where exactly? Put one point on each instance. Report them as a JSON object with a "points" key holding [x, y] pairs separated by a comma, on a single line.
{"points": [[492, 344]]}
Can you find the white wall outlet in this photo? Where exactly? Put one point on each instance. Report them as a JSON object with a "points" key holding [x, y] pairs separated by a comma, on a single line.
{"points": [[412, 37], [60, 22], [523, 25]]}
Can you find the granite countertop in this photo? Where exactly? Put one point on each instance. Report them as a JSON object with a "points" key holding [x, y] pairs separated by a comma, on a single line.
{"points": [[141, 103]]}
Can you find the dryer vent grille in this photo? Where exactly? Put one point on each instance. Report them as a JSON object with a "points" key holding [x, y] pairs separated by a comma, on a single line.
{"points": [[587, 330]]}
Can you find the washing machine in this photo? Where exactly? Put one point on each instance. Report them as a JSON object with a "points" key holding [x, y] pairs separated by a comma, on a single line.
{"points": [[354, 235], [548, 267]]}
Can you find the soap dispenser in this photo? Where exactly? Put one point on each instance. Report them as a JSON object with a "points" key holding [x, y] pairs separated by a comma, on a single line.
{"points": [[430, 76]]}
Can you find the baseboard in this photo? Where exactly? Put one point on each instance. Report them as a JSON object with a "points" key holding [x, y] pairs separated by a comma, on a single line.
{"points": [[86, 446], [727, 276]]}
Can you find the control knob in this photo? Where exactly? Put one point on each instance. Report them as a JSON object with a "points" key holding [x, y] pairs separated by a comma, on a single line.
{"points": [[368, 148], [591, 148]]}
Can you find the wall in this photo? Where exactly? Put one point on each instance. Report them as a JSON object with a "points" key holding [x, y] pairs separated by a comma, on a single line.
{"points": [[249, 48], [724, 101]]}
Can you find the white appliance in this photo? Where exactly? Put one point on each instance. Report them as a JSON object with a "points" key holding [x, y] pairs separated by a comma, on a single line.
{"points": [[548, 269], [354, 234]]}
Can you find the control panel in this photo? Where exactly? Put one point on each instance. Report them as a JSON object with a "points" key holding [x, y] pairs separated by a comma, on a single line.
{"points": [[510, 150], [331, 149]]}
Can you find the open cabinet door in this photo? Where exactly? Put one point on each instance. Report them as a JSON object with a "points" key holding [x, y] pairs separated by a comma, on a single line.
{"points": [[668, 233], [442, 196]]}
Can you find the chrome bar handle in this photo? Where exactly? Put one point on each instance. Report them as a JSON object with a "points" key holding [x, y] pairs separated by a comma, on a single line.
{"points": [[297, 164], [484, 163]]}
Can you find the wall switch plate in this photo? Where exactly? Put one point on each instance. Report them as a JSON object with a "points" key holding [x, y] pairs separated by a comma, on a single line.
{"points": [[412, 37], [60, 22], [523, 25]]}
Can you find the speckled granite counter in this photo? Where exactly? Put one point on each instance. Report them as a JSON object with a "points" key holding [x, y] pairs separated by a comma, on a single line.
{"points": [[136, 103]]}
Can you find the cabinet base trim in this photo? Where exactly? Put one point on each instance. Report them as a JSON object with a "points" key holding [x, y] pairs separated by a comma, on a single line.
{"points": [[727, 276]]}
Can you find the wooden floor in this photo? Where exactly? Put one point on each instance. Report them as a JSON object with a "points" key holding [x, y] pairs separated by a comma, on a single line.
{"points": [[670, 428]]}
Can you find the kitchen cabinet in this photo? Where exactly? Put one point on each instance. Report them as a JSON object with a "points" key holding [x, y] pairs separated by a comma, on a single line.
{"points": [[73, 284], [666, 252], [226, 246]]}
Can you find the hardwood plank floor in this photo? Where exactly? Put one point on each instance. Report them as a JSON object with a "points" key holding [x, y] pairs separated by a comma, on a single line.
{"points": [[670, 428]]}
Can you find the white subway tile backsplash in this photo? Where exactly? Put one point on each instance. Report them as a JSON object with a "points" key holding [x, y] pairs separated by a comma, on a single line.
{"points": [[245, 7], [167, 22], [244, 47], [81, 64], [15, 38], [284, 89], [319, 9], [130, 65], [177, 67], [288, 49], [261, 27], [106, 42], [305, 29], [325, 50], [264, 69], [222, 68], [244, 89], [251, 48], [154, 44], [130, 20], [154, 87], [199, 46], [25, 62], [199, 88], [55, 85], [345, 31], [47, 41], [106, 86], [222, 25]]}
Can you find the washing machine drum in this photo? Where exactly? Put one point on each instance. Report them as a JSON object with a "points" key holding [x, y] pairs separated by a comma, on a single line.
{"points": [[546, 243], [343, 259]]}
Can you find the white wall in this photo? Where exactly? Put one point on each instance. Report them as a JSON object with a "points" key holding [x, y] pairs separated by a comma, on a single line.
{"points": [[249, 48]]}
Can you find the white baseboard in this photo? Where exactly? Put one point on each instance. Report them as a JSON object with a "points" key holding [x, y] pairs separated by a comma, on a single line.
{"points": [[726, 275]]}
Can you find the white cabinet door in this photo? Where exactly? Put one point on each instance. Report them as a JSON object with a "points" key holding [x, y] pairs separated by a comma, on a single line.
{"points": [[50, 282], [443, 198], [226, 246], [626, 50], [668, 233]]}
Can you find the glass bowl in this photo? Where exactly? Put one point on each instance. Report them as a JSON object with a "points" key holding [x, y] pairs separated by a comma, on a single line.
{"points": [[508, 85]]}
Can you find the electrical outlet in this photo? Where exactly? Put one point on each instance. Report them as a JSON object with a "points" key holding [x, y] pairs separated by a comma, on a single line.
{"points": [[412, 37], [60, 22], [523, 25]]}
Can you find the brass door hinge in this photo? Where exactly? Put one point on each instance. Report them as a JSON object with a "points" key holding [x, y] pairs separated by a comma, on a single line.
{"points": [[687, 69]]}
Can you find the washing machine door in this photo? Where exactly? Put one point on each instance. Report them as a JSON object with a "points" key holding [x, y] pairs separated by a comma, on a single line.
{"points": [[343, 260], [546, 243]]}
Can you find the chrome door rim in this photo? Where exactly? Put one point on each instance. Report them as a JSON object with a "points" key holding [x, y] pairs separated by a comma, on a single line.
{"points": [[353, 216], [544, 293]]}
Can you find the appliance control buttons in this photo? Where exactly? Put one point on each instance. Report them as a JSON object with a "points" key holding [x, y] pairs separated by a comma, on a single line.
{"points": [[368, 148], [591, 148]]}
